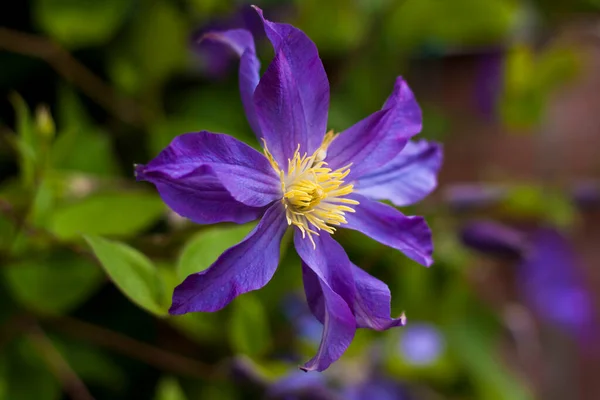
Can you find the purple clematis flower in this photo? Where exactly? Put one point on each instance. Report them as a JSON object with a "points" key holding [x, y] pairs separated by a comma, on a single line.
{"points": [[307, 178]]}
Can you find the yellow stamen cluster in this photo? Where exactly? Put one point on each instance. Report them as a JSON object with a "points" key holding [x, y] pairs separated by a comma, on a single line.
{"points": [[313, 194]]}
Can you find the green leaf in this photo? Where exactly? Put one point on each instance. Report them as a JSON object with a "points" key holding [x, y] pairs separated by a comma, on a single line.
{"points": [[204, 248], [42, 203], [25, 126], [201, 327], [26, 142], [54, 284], [115, 214], [79, 23], [132, 272], [249, 327], [169, 389]]}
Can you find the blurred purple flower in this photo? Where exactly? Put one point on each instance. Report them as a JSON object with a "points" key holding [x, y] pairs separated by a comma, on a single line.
{"points": [[549, 277], [214, 58], [376, 388], [211, 178], [298, 386], [468, 196], [494, 238], [297, 311], [551, 282], [489, 81], [421, 344], [587, 194], [475, 196]]}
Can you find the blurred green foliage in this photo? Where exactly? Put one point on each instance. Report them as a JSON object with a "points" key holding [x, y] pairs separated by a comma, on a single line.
{"points": [[168, 389], [530, 81], [77, 23], [75, 225]]}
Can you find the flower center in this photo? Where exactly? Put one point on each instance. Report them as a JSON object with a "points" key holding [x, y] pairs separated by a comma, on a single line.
{"points": [[313, 194]]}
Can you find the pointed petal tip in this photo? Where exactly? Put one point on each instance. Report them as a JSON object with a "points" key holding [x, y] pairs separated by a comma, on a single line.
{"points": [[428, 262], [139, 172], [387, 225], [259, 11], [312, 367]]}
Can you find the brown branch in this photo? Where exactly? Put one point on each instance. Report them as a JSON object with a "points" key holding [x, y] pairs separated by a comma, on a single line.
{"points": [[73, 71], [71, 383], [144, 352]]}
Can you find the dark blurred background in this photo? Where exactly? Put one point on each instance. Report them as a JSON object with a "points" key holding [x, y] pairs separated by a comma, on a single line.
{"points": [[508, 311]]}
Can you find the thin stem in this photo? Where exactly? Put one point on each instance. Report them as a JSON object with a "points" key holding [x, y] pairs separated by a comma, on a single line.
{"points": [[71, 383], [144, 352], [73, 71]]}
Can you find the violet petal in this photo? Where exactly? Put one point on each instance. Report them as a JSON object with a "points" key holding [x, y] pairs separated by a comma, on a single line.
{"points": [[407, 178], [328, 267], [247, 266], [241, 42], [377, 139], [200, 197], [372, 303], [384, 223], [245, 173], [292, 97]]}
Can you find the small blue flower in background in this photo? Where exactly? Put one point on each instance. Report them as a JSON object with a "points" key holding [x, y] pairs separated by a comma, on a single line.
{"points": [[309, 329], [552, 283], [548, 273], [421, 344], [306, 178]]}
